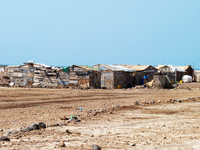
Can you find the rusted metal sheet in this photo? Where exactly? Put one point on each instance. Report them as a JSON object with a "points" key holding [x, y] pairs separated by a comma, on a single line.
{"points": [[107, 80]]}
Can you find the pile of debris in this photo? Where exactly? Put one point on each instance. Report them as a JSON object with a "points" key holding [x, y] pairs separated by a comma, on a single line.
{"points": [[40, 75], [32, 75], [160, 81]]}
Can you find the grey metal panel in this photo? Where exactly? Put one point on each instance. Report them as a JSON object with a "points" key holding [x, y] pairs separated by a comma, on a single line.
{"points": [[107, 80]]}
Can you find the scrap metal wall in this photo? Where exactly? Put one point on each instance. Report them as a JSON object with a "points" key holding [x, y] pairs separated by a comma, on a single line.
{"points": [[84, 78], [107, 79], [110, 79]]}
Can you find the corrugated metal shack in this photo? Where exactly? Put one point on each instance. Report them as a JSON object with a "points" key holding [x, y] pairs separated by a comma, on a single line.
{"points": [[83, 76], [174, 73], [114, 76], [141, 71], [197, 75], [178, 72], [188, 70]]}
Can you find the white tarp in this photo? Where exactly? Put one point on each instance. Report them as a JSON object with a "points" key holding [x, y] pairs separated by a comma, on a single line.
{"points": [[2, 70], [174, 69]]}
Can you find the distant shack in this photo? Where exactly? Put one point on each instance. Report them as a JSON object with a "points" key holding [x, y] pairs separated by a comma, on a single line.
{"points": [[113, 76], [41, 75], [83, 76], [141, 71]]}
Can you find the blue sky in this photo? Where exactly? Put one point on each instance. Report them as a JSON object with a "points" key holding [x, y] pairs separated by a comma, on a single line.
{"points": [[87, 32]]}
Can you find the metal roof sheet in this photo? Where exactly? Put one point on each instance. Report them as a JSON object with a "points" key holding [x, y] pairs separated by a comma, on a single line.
{"points": [[136, 67], [160, 66], [183, 67], [89, 68], [114, 68]]}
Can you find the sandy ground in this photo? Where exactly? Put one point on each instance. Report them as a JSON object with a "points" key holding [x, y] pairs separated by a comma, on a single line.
{"points": [[109, 118]]}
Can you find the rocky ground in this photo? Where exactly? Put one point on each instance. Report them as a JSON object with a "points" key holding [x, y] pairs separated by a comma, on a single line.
{"points": [[112, 119]]}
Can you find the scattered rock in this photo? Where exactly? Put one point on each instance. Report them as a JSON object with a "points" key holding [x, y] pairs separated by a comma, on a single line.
{"points": [[178, 100], [188, 88], [152, 102], [159, 101], [77, 120], [35, 127], [42, 125], [137, 103], [95, 114], [7, 133], [14, 132], [193, 99], [57, 124], [28, 129], [4, 138], [169, 100], [63, 118], [84, 141], [68, 132], [96, 147], [133, 144], [61, 144], [1, 130]]}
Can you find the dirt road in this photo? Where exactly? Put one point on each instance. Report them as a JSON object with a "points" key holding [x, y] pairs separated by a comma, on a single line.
{"points": [[109, 118]]}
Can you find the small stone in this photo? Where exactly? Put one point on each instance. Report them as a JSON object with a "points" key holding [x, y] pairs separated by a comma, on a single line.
{"points": [[159, 101], [84, 141], [28, 129], [137, 103], [42, 125], [96, 147], [35, 127], [7, 133], [57, 124], [14, 132], [152, 102], [95, 114], [4, 138], [133, 144], [68, 132], [77, 120], [169, 100], [188, 88], [1, 130], [61, 144], [178, 100]]}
